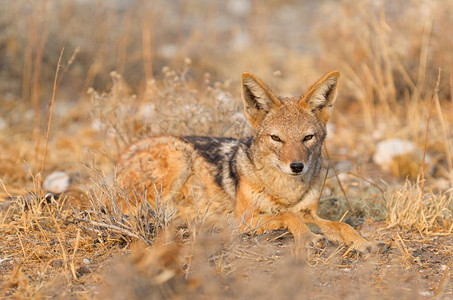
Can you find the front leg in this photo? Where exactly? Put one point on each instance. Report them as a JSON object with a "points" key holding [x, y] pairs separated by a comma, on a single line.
{"points": [[339, 232], [260, 223], [253, 219]]}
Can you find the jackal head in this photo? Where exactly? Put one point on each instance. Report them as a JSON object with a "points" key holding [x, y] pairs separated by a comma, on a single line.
{"points": [[289, 132]]}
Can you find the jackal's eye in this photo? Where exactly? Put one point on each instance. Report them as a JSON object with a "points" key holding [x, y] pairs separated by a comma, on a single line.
{"points": [[308, 137], [275, 138]]}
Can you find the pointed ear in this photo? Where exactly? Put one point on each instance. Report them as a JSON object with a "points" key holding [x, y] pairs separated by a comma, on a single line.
{"points": [[322, 95], [258, 98]]}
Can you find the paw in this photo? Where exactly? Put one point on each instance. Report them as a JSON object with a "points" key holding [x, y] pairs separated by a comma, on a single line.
{"points": [[308, 239], [370, 247]]}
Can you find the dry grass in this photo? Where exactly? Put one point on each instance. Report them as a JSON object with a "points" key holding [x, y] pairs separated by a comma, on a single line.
{"points": [[79, 244], [427, 212]]}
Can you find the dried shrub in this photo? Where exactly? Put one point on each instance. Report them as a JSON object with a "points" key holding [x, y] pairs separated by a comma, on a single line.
{"points": [[426, 211]]}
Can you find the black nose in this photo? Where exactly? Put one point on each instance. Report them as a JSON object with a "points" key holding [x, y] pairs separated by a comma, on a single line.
{"points": [[296, 167]]}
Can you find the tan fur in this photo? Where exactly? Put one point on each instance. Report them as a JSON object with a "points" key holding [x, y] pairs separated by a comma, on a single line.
{"points": [[269, 181]]}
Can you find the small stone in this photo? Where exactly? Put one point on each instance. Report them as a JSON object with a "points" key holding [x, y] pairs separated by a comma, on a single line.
{"points": [[2, 124], [389, 152], [86, 261], [387, 149], [57, 182]]}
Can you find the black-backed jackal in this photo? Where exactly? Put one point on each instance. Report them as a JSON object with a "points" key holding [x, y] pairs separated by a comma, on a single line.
{"points": [[268, 181]]}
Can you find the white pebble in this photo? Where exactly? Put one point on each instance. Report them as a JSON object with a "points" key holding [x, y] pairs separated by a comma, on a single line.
{"points": [[386, 150], [2, 124], [57, 182]]}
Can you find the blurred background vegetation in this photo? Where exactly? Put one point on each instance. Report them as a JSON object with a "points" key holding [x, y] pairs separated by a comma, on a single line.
{"points": [[386, 50]]}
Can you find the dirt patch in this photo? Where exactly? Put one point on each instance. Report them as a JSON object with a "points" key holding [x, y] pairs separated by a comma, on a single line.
{"points": [[48, 255]]}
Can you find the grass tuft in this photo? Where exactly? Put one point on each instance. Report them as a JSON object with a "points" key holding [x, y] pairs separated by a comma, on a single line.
{"points": [[428, 212]]}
